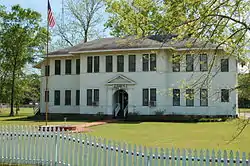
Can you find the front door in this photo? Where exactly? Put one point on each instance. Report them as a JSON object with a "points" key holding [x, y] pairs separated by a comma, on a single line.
{"points": [[121, 99]]}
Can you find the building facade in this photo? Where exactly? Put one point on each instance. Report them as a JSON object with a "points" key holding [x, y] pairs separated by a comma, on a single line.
{"points": [[149, 79]]}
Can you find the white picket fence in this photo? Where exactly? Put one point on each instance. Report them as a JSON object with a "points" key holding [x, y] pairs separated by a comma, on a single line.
{"points": [[28, 145]]}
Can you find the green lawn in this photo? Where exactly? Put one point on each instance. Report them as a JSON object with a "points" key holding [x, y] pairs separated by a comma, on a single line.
{"points": [[20, 119], [213, 135], [241, 110]]}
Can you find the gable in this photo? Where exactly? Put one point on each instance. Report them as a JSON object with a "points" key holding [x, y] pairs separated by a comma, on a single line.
{"points": [[120, 79]]}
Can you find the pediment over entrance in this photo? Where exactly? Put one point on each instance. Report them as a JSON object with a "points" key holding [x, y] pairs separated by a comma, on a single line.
{"points": [[120, 79]]}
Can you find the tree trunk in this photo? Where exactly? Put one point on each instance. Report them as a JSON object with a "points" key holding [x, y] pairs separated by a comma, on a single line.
{"points": [[13, 88], [17, 108], [85, 36]]}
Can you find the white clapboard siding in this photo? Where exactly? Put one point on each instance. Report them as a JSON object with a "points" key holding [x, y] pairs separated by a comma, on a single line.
{"points": [[27, 145]]}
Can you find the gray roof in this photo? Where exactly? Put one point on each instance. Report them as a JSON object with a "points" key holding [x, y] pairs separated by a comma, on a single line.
{"points": [[131, 42]]}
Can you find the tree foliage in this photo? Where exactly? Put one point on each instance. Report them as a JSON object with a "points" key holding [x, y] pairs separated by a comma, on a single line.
{"points": [[221, 22], [80, 23], [21, 38]]}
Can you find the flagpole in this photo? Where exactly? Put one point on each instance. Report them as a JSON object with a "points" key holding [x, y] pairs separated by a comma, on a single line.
{"points": [[47, 64]]}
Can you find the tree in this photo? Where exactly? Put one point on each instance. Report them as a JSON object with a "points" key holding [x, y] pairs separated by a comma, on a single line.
{"points": [[21, 39], [82, 19]]}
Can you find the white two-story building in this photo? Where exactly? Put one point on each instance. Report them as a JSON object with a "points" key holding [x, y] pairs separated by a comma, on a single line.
{"points": [[123, 76]]}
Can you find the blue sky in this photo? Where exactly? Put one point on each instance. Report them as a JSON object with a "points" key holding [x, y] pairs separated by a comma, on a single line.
{"points": [[37, 5]]}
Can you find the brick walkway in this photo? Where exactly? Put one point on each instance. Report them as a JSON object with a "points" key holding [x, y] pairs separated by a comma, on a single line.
{"points": [[86, 126]]}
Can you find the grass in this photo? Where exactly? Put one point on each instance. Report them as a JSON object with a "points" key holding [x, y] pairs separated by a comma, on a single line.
{"points": [[24, 113], [213, 135], [244, 110]]}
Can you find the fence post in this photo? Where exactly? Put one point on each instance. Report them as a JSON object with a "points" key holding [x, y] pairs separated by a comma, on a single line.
{"points": [[56, 146]]}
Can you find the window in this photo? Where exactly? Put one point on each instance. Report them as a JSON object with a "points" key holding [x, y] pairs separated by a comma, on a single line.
{"points": [[46, 98], [96, 64], [189, 97], [189, 63], [77, 97], [176, 63], [47, 70], [57, 67], [120, 63], [92, 97], [56, 97], [152, 62], [224, 95], [149, 62], [203, 97], [203, 62], [78, 66], [132, 63], [68, 66], [149, 94], [89, 64], [67, 97], [109, 64], [176, 97], [224, 65], [153, 97], [89, 97]]}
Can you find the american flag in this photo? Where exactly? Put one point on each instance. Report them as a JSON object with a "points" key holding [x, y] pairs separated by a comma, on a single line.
{"points": [[51, 20]]}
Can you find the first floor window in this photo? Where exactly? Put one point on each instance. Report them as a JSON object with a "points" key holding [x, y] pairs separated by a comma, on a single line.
{"points": [[203, 97], [176, 97], [46, 99], [149, 97], [224, 95], [92, 97], [189, 97], [56, 97], [77, 97], [67, 97]]}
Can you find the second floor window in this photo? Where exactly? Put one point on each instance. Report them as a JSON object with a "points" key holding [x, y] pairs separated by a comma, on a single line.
{"points": [[176, 63], [224, 65], [57, 67], [57, 97], [92, 97], [78, 66], [189, 97], [203, 62], [109, 63], [149, 62], [131, 63], [93, 66], [149, 97], [47, 70], [67, 97], [176, 97], [189, 63], [120, 63], [68, 67]]}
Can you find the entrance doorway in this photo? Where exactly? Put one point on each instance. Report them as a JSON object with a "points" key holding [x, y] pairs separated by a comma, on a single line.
{"points": [[120, 100]]}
